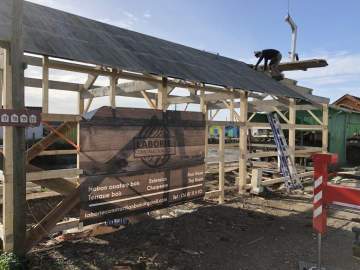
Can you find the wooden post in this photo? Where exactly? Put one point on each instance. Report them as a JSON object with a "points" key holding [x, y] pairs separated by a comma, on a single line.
{"points": [[81, 104], [325, 128], [292, 130], [243, 141], [162, 96], [113, 83], [221, 164], [14, 200], [2, 85], [204, 110], [256, 178], [232, 114], [45, 85]]}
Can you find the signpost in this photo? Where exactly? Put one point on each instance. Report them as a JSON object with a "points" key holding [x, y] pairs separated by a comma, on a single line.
{"points": [[138, 160]]}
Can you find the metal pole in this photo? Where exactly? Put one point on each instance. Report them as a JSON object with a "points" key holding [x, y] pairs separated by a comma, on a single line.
{"points": [[319, 250]]}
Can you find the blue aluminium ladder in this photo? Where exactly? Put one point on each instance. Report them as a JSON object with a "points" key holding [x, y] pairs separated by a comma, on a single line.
{"points": [[287, 166]]}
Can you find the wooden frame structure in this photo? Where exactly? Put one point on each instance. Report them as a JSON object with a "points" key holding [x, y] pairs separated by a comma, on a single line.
{"points": [[210, 98], [17, 168]]}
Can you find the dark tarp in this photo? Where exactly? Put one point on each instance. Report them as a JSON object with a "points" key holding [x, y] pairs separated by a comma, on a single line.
{"points": [[59, 34]]}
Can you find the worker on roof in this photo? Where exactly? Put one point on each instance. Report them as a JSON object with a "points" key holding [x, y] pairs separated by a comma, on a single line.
{"points": [[275, 58]]}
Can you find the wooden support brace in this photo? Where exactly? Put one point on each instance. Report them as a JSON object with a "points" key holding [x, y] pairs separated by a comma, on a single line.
{"points": [[214, 115], [234, 113], [88, 84], [281, 115], [315, 117], [44, 227], [48, 140], [148, 100]]}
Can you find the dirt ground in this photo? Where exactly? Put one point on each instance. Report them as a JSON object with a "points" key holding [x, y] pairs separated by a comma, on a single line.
{"points": [[245, 233]]}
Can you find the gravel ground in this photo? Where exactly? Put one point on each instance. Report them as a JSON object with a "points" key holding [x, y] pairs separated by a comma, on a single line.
{"points": [[245, 233]]}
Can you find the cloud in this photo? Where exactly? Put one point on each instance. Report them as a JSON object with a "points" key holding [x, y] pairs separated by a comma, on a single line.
{"points": [[128, 20], [341, 76], [53, 3], [44, 2], [147, 15]]}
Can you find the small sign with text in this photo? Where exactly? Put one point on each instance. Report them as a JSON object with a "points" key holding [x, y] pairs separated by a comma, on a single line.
{"points": [[20, 118]]}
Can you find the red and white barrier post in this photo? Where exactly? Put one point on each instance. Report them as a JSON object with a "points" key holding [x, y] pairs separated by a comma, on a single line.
{"points": [[321, 177]]}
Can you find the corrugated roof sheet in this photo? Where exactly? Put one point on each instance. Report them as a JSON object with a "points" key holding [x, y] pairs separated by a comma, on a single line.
{"points": [[59, 34]]}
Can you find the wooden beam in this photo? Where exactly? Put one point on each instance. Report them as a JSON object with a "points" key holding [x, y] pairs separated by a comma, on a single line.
{"points": [[55, 117], [284, 126], [256, 177], [127, 87], [105, 91], [263, 154], [282, 179], [58, 152], [226, 123], [233, 113], [113, 83], [292, 130], [196, 99], [59, 185], [45, 85], [53, 174], [57, 85], [14, 190], [325, 128], [256, 105], [243, 141], [88, 69], [307, 107], [182, 100], [221, 155], [204, 110], [303, 64], [2, 84], [162, 96]]}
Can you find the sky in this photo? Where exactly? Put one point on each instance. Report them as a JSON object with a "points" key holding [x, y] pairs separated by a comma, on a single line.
{"points": [[235, 28]]}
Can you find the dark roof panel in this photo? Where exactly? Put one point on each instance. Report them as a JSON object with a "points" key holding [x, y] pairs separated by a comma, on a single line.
{"points": [[59, 34]]}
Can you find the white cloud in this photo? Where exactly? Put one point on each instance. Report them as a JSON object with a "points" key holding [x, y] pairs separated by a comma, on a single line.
{"points": [[54, 4], [147, 15], [43, 2], [128, 20]]}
